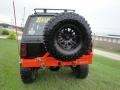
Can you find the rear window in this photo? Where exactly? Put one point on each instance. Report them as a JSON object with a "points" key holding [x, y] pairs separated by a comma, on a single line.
{"points": [[35, 25]]}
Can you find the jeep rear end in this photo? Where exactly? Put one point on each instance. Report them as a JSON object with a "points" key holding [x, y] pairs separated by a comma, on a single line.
{"points": [[34, 54]]}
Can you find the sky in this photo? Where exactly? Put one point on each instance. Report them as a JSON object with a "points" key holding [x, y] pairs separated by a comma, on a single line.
{"points": [[102, 15]]}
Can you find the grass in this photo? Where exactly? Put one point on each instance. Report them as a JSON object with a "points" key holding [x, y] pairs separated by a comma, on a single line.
{"points": [[104, 74]]}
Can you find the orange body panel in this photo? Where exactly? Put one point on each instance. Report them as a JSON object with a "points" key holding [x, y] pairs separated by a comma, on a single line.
{"points": [[47, 61]]}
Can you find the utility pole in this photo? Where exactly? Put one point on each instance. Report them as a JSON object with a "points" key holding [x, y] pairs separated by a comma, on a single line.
{"points": [[15, 24]]}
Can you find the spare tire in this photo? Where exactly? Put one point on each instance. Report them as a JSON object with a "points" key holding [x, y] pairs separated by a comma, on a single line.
{"points": [[67, 36]]}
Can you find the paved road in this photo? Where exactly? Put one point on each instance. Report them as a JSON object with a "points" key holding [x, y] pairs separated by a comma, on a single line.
{"points": [[107, 54], [4, 37]]}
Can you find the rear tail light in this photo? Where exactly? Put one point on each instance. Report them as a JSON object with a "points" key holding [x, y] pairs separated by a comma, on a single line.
{"points": [[23, 50]]}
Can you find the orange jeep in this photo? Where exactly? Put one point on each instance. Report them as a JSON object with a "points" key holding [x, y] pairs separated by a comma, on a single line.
{"points": [[52, 40]]}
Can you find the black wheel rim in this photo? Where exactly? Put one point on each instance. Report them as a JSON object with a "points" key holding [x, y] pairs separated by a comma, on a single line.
{"points": [[68, 37]]}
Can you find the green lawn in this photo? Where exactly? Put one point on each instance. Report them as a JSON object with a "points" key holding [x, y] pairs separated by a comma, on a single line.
{"points": [[104, 74]]}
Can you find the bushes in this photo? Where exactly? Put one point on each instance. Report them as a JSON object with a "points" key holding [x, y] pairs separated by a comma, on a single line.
{"points": [[12, 36], [5, 32]]}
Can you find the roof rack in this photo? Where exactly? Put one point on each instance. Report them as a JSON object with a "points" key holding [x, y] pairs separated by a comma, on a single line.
{"points": [[45, 10]]}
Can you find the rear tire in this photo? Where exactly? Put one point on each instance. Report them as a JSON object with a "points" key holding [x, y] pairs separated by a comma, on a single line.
{"points": [[28, 75], [54, 68], [80, 71]]}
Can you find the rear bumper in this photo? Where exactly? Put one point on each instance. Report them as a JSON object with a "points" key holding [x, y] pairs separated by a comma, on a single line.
{"points": [[47, 61]]}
